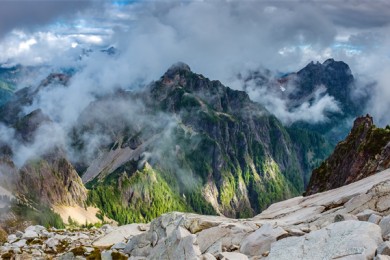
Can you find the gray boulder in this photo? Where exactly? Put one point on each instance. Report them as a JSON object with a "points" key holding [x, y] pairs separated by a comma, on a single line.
{"points": [[30, 234], [232, 256], [260, 241], [384, 248], [385, 226], [365, 214], [181, 244], [348, 240]]}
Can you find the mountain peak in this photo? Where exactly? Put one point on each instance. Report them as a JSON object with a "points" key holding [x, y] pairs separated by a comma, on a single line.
{"points": [[363, 153], [366, 120], [176, 68]]}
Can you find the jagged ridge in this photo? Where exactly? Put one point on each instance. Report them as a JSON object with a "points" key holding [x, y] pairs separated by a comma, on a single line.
{"points": [[364, 152]]}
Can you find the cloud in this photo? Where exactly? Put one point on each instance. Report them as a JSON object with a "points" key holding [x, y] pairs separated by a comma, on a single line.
{"points": [[358, 13], [218, 39], [22, 14]]}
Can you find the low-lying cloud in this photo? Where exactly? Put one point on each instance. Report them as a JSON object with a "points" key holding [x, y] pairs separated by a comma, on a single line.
{"points": [[218, 39]]}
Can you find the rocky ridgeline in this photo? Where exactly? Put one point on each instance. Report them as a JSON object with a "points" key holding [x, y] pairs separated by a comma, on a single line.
{"points": [[351, 222]]}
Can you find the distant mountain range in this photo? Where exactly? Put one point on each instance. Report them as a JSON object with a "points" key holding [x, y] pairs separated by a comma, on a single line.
{"points": [[184, 142], [331, 79]]}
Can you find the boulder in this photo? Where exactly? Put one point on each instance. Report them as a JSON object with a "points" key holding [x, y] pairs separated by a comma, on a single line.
{"points": [[106, 255], [229, 234], [52, 242], [181, 244], [139, 246], [260, 241], [30, 234], [120, 245], [107, 228], [12, 238], [207, 256], [20, 243], [384, 249], [348, 239], [232, 256], [385, 226], [119, 234], [365, 214], [374, 218], [215, 248]]}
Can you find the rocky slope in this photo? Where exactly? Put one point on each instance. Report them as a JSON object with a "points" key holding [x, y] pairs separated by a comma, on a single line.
{"points": [[364, 152], [222, 152], [350, 222], [206, 147], [42, 181]]}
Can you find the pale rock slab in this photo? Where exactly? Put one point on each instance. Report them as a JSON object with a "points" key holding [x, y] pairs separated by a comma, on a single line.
{"points": [[181, 244], [232, 256], [384, 248], [374, 218], [385, 226], [118, 234], [229, 234], [20, 243], [120, 245], [342, 240], [29, 234], [106, 255], [12, 238], [207, 256], [52, 242], [260, 241], [365, 214]]}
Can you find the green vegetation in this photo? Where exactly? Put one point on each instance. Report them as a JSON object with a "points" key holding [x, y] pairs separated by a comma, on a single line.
{"points": [[195, 199], [139, 197], [312, 149], [38, 215], [377, 140]]}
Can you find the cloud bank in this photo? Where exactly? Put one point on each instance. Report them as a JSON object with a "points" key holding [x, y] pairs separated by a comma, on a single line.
{"points": [[216, 38]]}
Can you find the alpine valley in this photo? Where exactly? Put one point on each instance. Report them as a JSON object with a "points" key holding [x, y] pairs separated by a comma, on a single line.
{"points": [[181, 143]]}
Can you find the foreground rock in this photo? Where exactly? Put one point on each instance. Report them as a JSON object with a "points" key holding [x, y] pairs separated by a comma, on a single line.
{"points": [[351, 222], [354, 239]]}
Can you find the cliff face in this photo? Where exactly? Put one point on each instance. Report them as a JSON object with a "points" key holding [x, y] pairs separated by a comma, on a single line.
{"points": [[207, 148], [364, 152], [46, 180], [224, 152], [51, 181]]}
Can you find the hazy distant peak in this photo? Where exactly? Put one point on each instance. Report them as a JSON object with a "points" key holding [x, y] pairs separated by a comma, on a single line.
{"points": [[177, 68]]}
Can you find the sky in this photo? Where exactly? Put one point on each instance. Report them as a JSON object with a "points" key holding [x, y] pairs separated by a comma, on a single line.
{"points": [[216, 38]]}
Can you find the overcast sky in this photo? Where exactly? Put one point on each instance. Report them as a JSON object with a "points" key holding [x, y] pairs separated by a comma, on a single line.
{"points": [[216, 38]]}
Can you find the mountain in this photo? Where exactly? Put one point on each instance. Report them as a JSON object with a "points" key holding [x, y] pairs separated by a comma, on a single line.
{"points": [[218, 151], [331, 82], [183, 142], [7, 83], [364, 152]]}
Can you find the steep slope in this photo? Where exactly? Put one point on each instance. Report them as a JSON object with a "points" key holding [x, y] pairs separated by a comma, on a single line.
{"points": [[364, 152], [46, 179], [218, 151], [208, 148]]}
